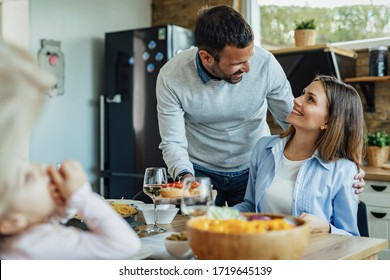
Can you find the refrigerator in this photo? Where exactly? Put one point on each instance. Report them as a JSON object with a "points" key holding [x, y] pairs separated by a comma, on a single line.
{"points": [[129, 135]]}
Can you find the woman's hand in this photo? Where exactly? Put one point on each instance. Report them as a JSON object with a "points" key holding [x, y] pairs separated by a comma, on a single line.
{"points": [[316, 224]]}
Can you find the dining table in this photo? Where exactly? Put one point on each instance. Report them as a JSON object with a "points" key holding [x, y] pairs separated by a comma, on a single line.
{"points": [[321, 246]]}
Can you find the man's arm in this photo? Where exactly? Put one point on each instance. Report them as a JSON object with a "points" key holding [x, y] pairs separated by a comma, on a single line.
{"points": [[172, 129], [279, 96]]}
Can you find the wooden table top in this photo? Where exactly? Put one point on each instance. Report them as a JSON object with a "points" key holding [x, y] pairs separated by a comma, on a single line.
{"points": [[320, 247]]}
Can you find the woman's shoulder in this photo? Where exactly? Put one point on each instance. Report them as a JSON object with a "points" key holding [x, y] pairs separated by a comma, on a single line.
{"points": [[340, 167], [267, 141], [344, 164]]}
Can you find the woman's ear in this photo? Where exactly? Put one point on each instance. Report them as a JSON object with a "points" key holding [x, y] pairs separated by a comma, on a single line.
{"points": [[13, 223]]}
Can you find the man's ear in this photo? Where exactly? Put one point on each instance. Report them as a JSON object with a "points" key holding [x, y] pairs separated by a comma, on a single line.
{"points": [[205, 57], [13, 223]]}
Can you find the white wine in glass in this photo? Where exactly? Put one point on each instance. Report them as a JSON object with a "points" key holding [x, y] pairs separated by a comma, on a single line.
{"points": [[197, 196], [155, 178]]}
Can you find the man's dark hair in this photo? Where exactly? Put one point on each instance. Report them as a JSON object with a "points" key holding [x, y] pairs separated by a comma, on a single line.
{"points": [[219, 26]]}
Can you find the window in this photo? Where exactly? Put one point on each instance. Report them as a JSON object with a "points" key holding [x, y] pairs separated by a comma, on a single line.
{"points": [[359, 25]]}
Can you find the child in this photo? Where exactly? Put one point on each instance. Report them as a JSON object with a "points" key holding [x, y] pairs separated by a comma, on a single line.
{"points": [[23, 85], [44, 192], [33, 195]]}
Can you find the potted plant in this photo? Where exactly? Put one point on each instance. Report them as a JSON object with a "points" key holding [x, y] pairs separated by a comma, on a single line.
{"points": [[305, 33], [377, 152]]}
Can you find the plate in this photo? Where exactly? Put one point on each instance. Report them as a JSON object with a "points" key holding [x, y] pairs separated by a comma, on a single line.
{"points": [[143, 253], [125, 201]]}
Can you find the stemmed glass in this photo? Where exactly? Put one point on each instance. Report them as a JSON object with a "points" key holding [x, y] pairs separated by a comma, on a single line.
{"points": [[197, 196], [155, 178]]}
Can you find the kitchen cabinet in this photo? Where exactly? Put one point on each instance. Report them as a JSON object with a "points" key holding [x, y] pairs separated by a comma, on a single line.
{"points": [[302, 64], [377, 198], [367, 85]]}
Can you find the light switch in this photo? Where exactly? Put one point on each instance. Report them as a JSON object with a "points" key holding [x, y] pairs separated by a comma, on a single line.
{"points": [[51, 58]]}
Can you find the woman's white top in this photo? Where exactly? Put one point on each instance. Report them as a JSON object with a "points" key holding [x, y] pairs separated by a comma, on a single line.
{"points": [[279, 196]]}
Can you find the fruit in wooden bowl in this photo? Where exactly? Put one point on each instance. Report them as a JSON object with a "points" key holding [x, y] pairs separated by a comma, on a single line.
{"points": [[254, 237]]}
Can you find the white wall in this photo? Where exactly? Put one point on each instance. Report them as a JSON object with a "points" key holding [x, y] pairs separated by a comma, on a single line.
{"points": [[14, 20], [68, 126]]}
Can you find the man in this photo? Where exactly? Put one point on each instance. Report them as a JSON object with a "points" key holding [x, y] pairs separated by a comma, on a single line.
{"points": [[212, 103]]}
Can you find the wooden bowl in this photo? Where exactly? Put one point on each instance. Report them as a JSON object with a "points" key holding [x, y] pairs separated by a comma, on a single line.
{"points": [[272, 245]]}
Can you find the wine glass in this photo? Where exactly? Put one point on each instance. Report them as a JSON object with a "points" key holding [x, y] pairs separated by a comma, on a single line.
{"points": [[197, 196], [155, 178]]}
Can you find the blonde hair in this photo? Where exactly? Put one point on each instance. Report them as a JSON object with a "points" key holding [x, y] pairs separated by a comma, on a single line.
{"points": [[344, 137], [22, 87]]}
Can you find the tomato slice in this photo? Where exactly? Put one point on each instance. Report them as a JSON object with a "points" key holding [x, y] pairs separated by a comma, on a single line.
{"points": [[194, 185], [179, 185]]}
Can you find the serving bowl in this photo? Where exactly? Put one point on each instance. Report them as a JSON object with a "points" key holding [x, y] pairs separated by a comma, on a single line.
{"points": [[178, 247], [287, 244], [166, 213]]}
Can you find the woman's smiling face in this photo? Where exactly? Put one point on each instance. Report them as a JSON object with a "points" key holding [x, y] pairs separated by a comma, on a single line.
{"points": [[311, 109]]}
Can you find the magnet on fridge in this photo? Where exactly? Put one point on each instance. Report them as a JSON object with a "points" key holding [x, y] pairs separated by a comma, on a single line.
{"points": [[51, 58]]}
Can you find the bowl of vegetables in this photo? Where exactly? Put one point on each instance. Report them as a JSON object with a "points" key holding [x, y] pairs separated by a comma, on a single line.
{"points": [[250, 236]]}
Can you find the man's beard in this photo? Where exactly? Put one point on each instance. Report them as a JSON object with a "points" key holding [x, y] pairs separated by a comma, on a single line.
{"points": [[217, 71]]}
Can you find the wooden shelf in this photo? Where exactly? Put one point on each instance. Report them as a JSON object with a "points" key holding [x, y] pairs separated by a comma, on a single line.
{"points": [[367, 79], [367, 85], [324, 47]]}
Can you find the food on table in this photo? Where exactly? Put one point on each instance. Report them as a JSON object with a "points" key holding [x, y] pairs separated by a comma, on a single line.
{"points": [[258, 217], [123, 209], [171, 192], [230, 220], [181, 236], [174, 189], [241, 226], [225, 233], [223, 213]]}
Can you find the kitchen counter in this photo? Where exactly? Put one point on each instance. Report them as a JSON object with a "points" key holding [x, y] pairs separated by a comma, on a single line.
{"points": [[376, 173], [376, 196]]}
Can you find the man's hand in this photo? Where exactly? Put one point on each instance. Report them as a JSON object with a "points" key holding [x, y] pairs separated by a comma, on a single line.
{"points": [[359, 186]]}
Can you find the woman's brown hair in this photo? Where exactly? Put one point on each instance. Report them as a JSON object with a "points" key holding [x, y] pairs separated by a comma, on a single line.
{"points": [[344, 137]]}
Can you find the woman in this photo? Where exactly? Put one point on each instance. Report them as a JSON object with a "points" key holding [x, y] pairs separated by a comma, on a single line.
{"points": [[307, 171]]}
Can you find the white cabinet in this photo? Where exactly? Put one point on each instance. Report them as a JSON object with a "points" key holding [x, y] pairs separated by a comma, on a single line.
{"points": [[377, 198]]}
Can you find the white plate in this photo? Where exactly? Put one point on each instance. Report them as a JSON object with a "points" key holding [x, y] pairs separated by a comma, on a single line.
{"points": [[143, 253]]}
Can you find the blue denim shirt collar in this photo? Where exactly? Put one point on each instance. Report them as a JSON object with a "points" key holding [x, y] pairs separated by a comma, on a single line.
{"points": [[279, 147], [204, 76]]}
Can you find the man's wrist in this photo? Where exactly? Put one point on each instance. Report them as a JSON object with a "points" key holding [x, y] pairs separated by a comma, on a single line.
{"points": [[182, 175]]}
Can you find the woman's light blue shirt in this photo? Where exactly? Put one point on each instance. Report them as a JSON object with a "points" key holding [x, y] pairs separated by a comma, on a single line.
{"points": [[323, 189]]}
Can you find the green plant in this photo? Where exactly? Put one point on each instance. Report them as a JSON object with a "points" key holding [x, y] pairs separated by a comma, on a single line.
{"points": [[305, 24], [379, 138]]}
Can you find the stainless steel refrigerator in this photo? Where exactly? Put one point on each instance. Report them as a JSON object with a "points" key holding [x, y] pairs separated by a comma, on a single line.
{"points": [[129, 135]]}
